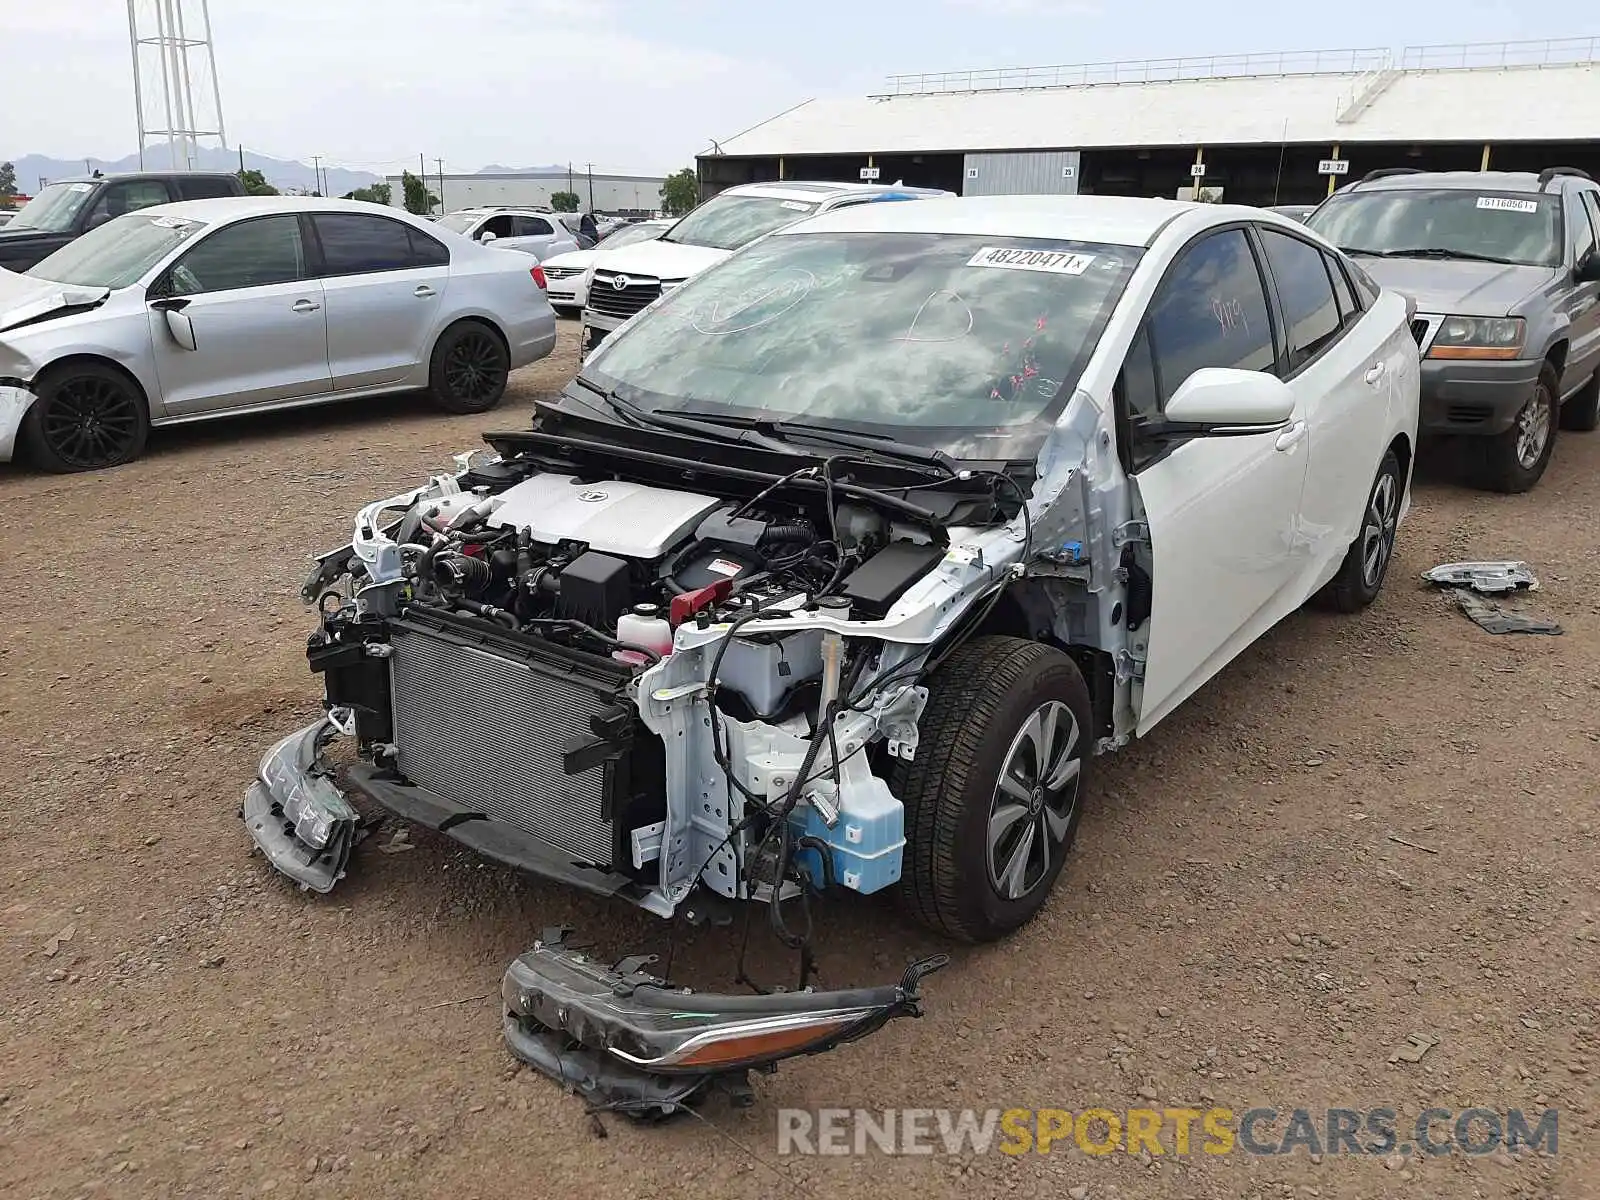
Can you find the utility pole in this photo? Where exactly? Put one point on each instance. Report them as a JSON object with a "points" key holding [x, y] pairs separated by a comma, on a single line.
{"points": [[241, 160], [590, 166], [439, 163], [422, 165], [569, 177], [316, 173]]}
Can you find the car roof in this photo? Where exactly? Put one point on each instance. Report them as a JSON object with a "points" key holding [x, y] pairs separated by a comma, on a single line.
{"points": [[1113, 220], [1495, 181], [814, 192], [232, 208]]}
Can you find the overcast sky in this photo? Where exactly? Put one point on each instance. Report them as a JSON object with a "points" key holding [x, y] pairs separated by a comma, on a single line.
{"points": [[637, 85]]}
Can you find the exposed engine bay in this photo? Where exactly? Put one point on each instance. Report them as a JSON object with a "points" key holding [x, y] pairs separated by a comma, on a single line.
{"points": [[647, 682]]}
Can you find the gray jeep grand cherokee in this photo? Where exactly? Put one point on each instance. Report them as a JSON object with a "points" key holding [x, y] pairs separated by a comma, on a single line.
{"points": [[1505, 273]]}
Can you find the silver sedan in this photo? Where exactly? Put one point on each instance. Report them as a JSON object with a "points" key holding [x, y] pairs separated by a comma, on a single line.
{"points": [[189, 311]]}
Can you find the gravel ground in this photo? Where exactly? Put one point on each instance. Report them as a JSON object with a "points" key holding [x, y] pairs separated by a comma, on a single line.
{"points": [[1238, 927]]}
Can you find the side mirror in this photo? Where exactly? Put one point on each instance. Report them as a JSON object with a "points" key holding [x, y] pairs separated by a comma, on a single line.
{"points": [[178, 323], [1588, 270], [486, 236], [1223, 400]]}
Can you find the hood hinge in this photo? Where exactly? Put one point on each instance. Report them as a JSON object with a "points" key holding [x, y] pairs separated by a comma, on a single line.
{"points": [[1131, 531], [1129, 666]]}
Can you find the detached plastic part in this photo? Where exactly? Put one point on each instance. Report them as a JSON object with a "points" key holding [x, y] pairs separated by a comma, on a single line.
{"points": [[1488, 615], [628, 1042], [293, 811], [1492, 578]]}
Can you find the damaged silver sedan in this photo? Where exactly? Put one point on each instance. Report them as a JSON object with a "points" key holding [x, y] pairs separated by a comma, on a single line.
{"points": [[830, 573]]}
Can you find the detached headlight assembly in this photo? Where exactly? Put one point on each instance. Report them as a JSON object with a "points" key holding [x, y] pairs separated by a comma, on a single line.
{"points": [[1479, 337]]}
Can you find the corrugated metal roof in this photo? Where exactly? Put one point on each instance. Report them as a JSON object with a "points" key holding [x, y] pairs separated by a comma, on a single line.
{"points": [[1380, 104]]}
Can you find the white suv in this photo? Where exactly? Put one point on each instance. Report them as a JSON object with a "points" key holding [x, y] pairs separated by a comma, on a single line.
{"points": [[626, 281], [526, 229]]}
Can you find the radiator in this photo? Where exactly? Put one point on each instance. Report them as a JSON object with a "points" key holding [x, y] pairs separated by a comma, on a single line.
{"points": [[485, 726]]}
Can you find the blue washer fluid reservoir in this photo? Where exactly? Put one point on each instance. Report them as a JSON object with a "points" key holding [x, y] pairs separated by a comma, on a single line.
{"points": [[867, 841]]}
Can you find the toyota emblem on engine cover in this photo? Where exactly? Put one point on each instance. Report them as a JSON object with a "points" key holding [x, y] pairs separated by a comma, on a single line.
{"points": [[620, 281], [593, 497]]}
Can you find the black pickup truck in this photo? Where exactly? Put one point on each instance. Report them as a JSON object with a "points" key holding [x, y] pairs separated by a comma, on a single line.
{"points": [[69, 208]]}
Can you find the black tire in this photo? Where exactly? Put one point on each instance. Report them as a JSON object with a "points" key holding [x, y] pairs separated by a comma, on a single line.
{"points": [[1366, 562], [89, 416], [1501, 464], [979, 708], [1581, 412], [469, 368]]}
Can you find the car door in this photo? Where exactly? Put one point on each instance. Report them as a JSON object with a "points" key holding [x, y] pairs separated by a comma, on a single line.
{"points": [[383, 282], [529, 234], [1583, 356], [1340, 363], [257, 316], [1220, 512]]}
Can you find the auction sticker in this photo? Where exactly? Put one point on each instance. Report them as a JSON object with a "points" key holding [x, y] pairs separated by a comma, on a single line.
{"points": [[1055, 262], [1507, 204]]}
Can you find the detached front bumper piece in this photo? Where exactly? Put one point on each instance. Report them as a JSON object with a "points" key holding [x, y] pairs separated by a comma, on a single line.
{"points": [[296, 814], [627, 1042]]}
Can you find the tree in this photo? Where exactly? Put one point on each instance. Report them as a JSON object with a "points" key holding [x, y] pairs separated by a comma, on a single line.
{"points": [[8, 179], [378, 193], [564, 201], [255, 184], [680, 192], [418, 199]]}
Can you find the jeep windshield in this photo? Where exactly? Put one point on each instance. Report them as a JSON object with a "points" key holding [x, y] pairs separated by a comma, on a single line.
{"points": [[729, 222], [1523, 229], [967, 344]]}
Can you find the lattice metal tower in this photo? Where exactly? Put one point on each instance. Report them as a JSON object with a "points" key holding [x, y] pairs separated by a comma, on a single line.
{"points": [[174, 79]]}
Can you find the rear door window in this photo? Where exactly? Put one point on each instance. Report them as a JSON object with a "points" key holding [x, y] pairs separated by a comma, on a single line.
{"points": [[530, 227], [356, 244], [205, 187]]}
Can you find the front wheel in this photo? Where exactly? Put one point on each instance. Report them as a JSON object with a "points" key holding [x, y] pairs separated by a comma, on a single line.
{"points": [[1366, 562], [469, 369], [88, 416], [993, 797], [1515, 460]]}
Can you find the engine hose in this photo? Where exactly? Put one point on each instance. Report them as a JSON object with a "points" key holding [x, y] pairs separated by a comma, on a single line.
{"points": [[788, 533], [471, 575], [824, 852], [489, 613]]}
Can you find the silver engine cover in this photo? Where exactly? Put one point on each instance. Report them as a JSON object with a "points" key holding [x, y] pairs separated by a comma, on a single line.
{"points": [[626, 519]]}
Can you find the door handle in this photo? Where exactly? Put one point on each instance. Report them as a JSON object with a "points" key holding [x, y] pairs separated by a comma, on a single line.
{"points": [[423, 291], [1291, 436], [1375, 375], [305, 306]]}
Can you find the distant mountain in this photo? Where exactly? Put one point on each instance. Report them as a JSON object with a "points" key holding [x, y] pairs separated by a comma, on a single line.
{"points": [[280, 173]]}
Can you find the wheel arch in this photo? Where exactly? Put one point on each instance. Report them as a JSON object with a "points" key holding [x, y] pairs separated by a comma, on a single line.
{"points": [[1556, 355], [471, 318], [84, 357]]}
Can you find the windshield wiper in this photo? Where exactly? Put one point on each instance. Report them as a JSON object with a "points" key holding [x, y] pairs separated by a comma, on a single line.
{"points": [[880, 444], [643, 417], [1434, 252]]}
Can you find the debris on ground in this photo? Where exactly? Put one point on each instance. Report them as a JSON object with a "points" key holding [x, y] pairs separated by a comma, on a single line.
{"points": [[1486, 614], [400, 842], [1493, 578], [53, 946], [1417, 1045]]}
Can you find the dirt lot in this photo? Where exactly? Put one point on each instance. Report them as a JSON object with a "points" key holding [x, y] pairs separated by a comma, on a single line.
{"points": [[1238, 926]]}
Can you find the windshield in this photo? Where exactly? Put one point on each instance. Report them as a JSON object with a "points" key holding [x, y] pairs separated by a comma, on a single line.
{"points": [[54, 208], [729, 222], [1406, 222], [118, 253], [964, 343], [631, 234], [458, 222]]}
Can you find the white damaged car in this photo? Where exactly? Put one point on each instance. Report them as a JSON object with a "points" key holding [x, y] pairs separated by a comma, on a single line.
{"points": [[833, 572]]}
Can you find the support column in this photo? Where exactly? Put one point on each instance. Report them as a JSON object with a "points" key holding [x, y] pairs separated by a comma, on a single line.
{"points": [[1333, 180], [780, 166], [1484, 165]]}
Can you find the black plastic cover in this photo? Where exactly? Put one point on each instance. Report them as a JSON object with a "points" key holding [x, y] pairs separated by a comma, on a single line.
{"points": [[886, 576], [595, 589]]}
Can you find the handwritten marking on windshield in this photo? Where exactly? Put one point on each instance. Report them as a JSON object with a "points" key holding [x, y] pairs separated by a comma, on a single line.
{"points": [[787, 292], [911, 334]]}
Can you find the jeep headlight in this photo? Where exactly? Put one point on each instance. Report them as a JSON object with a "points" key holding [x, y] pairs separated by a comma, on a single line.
{"points": [[1479, 337]]}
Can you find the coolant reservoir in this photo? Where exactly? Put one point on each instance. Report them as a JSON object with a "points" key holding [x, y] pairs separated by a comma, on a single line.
{"points": [[644, 626]]}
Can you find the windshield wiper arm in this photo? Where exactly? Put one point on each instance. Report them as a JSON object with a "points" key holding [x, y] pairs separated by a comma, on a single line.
{"points": [[1437, 252], [644, 417], [879, 444]]}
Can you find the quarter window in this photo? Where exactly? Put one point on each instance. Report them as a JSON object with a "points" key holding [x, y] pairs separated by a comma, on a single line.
{"points": [[1309, 309], [253, 253], [427, 250], [1349, 309], [354, 244]]}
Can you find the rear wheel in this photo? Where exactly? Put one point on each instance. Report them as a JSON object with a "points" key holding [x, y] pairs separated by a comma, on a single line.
{"points": [[88, 416], [1581, 413], [993, 798], [469, 369], [1515, 460]]}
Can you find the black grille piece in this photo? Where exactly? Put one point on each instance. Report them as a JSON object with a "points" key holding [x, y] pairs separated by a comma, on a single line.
{"points": [[1419, 330], [486, 721], [1467, 414], [606, 298]]}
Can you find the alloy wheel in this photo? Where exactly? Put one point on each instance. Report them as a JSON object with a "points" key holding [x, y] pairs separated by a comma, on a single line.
{"points": [[91, 422], [1377, 532], [474, 369], [1034, 801], [1533, 428]]}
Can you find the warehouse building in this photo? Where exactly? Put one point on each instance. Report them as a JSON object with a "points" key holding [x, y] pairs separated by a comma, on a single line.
{"points": [[618, 195], [1251, 129]]}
